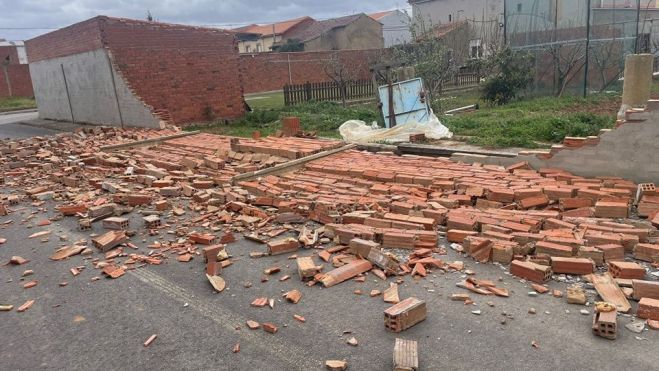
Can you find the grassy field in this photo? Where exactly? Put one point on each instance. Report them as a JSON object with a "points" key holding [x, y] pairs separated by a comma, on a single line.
{"points": [[527, 123], [537, 122], [16, 103]]}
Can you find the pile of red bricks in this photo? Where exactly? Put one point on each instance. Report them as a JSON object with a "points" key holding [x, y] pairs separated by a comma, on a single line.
{"points": [[549, 217]]}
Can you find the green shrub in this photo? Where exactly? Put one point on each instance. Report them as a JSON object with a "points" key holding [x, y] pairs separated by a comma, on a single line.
{"points": [[513, 73]]}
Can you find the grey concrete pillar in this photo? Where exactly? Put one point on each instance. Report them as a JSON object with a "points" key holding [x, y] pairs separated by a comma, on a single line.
{"points": [[638, 80]]}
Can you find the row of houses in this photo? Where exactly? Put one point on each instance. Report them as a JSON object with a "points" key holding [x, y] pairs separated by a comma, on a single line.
{"points": [[357, 31]]}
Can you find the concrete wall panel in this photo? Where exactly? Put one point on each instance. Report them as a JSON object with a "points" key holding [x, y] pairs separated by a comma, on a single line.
{"points": [[90, 88]]}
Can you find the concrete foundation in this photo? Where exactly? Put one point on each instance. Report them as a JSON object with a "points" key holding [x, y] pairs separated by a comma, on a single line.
{"points": [[97, 94]]}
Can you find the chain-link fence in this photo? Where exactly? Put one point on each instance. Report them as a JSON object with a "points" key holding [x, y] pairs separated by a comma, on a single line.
{"points": [[580, 45]]}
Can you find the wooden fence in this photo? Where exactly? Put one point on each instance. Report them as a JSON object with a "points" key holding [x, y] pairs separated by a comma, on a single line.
{"points": [[463, 80], [327, 91]]}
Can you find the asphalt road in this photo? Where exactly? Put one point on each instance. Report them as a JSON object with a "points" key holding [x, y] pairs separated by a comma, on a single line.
{"points": [[12, 127], [102, 324]]}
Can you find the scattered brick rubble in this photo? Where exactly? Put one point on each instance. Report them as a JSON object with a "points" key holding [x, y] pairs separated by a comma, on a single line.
{"points": [[362, 213]]}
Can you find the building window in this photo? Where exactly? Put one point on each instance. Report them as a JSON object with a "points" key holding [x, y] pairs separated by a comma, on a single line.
{"points": [[475, 49], [519, 7], [248, 48], [258, 48], [449, 18]]}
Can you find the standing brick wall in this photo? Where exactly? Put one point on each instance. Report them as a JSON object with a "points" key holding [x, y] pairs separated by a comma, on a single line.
{"points": [[21, 84], [188, 73], [9, 51], [270, 71], [182, 73], [77, 38]]}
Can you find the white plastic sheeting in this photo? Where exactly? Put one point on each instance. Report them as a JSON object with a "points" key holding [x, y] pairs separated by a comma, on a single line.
{"points": [[357, 131]]}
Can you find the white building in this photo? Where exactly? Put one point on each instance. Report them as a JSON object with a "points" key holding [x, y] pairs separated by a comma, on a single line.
{"points": [[395, 27], [435, 12]]}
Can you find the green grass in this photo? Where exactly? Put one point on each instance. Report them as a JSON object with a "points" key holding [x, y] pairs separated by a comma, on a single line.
{"points": [[536, 122], [16, 103], [260, 101], [322, 117], [527, 123], [456, 99]]}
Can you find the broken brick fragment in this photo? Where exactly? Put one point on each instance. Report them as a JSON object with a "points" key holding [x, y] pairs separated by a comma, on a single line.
{"points": [[253, 325], [269, 328], [293, 296], [283, 246], [27, 305], [202, 238]]}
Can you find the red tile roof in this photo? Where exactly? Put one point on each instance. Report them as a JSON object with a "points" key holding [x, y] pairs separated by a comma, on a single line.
{"points": [[279, 27], [380, 15]]}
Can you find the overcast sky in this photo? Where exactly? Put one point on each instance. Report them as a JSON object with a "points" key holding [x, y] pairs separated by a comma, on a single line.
{"points": [[20, 18]]}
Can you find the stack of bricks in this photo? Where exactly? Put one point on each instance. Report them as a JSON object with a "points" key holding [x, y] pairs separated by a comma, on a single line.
{"points": [[648, 200], [290, 126], [291, 148]]}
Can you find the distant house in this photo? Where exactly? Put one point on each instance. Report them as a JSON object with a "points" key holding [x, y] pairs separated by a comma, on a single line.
{"points": [[262, 38], [484, 21], [357, 31], [395, 27], [14, 71], [434, 12]]}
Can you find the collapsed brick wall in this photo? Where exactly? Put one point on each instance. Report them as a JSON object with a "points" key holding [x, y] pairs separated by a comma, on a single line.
{"points": [[187, 73], [19, 78], [270, 71], [628, 151]]}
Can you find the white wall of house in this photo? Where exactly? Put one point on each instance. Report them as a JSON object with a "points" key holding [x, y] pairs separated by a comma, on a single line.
{"points": [[433, 12], [396, 28]]}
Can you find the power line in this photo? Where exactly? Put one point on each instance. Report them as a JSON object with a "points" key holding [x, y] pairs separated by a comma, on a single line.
{"points": [[29, 28]]}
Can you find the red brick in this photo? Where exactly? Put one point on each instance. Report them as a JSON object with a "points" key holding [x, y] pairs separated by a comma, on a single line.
{"points": [[629, 270], [578, 266], [405, 314], [648, 309], [283, 246], [605, 209], [647, 252], [530, 271]]}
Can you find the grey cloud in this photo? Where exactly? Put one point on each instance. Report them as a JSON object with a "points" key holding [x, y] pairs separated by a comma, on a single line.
{"points": [[21, 14]]}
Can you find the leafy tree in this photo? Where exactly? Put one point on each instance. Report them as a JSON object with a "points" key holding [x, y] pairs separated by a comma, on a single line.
{"points": [[291, 45], [512, 73]]}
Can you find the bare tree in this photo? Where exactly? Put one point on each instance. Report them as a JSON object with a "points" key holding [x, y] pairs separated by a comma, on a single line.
{"points": [[568, 60], [607, 57], [343, 71]]}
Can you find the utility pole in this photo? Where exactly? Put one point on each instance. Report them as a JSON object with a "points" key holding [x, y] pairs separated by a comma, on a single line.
{"points": [[585, 82], [505, 24], [638, 19], [274, 38]]}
